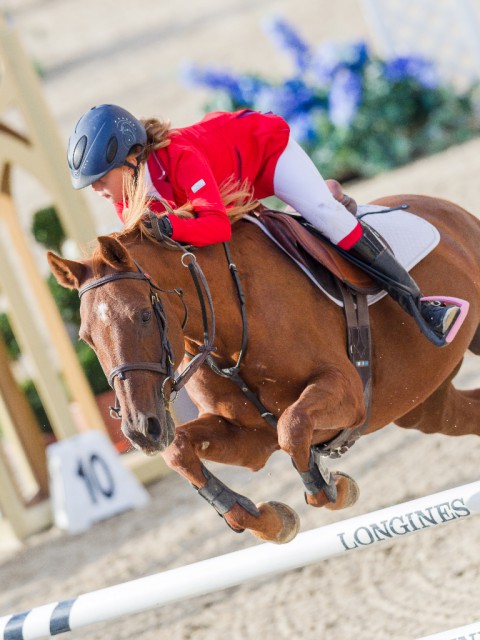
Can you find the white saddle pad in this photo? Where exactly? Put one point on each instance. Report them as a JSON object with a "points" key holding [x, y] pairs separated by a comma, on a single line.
{"points": [[410, 237]]}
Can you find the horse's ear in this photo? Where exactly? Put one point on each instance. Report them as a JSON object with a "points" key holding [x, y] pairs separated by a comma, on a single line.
{"points": [[67, 272], [115, 254]]}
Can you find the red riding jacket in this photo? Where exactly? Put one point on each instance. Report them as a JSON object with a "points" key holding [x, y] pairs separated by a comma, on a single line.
{"points": [[243, 145]]}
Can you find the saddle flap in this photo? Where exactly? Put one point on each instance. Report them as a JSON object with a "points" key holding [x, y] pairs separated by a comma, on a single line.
{"points": [[299, 243]]}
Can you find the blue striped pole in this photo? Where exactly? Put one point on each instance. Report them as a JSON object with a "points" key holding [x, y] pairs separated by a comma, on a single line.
{"points": [[225, 571]]}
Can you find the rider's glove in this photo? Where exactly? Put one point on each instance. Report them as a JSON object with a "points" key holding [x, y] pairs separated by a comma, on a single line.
{"points": [[161, 226], [165, 226]]}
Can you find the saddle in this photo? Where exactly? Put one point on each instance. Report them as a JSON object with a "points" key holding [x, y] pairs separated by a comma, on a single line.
{"points": [[305, 245]]}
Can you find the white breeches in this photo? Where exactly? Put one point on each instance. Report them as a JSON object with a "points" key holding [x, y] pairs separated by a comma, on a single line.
{"points": [[299, 184]]}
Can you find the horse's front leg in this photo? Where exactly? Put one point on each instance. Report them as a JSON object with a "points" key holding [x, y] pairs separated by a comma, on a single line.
{"points": [[333, 400], [211, 437]]}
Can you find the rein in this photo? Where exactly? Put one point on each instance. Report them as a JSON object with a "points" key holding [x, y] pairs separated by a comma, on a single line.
{"points": [[204, 355], [232, 373]]}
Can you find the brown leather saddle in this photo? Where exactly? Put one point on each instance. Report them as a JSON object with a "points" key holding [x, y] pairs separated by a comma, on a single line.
{"points": [[314, 252]]}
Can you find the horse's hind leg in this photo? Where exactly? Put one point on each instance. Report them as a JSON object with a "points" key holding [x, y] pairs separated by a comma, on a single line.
{"points": [[448, 410]]}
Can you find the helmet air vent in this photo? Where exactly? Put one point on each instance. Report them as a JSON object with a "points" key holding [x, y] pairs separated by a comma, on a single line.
{"points": [[112, 148], [79, 151]]}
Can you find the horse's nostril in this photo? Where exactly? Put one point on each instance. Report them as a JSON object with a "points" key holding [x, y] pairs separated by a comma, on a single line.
{"points": [[153, 428]]}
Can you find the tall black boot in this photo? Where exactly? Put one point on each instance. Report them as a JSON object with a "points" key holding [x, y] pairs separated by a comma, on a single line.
{"points": [[372, 254]]}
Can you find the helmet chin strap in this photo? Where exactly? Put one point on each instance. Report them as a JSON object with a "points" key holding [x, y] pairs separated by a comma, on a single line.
{"points": [[132, 166], [135, 167]]}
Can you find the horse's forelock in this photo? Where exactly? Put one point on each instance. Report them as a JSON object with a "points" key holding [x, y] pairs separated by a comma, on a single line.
{"points": [[97, 263]]}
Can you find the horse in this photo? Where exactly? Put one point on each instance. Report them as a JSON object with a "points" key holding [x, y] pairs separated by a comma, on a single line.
{"points": [[136, 295]]}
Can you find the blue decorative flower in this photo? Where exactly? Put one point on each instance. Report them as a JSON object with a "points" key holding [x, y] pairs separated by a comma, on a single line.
{"points": [[289, 40], [321, 102], [287, 99], [303, 127], [345, 97], [413, 67], [249, 87], [326, 62], [216, 79], [331, 57], [356, 56]]}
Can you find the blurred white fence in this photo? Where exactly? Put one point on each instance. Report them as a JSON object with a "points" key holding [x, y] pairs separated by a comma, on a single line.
{"points": [[447, 32]]}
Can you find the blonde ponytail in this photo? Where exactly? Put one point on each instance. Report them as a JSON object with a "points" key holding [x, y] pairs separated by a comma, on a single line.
{"points": [[158, 135]]}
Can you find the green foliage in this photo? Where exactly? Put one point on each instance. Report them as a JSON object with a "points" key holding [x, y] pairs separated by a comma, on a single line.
{"points": [[92, 368], [8, 337], [28, 387], [47, 229], [67, 301], [395, 124], [31, 393]]}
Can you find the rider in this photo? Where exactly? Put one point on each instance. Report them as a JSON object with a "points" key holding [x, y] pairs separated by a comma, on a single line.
{"points": [[189, 165]]}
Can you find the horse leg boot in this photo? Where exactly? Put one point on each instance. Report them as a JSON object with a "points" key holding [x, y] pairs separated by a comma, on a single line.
{"points": [[223, 500], [211, 437], [434, 318], [334, 490]]}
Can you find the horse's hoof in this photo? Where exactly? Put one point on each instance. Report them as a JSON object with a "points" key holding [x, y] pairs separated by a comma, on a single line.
{"points": [[289, 518], [348, 491]]}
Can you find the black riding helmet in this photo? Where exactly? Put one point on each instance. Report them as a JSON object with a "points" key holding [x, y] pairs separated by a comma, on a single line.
{"points": [[102, 140]]}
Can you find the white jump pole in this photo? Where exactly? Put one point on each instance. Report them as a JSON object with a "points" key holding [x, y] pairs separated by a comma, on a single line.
{"points": [[234, 568], [470, 632]]}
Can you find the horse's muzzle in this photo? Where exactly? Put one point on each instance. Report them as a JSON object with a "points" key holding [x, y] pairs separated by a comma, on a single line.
{"points": [[149, 432]]}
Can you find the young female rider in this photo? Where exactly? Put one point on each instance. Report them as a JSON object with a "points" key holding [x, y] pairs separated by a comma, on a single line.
{"points": [[190, 165]]}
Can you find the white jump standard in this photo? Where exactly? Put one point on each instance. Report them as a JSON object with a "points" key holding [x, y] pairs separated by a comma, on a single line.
{"points": [[235, 568], [470, 632]]}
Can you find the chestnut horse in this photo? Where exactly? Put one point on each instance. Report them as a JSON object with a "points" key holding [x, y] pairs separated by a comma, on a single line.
{"points": [[296, 362]]}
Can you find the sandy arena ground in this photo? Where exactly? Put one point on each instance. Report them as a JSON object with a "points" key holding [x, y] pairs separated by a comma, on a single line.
{"points": [[129, 53]]}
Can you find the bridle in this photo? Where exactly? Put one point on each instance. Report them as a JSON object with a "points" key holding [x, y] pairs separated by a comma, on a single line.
{"points": [[166, 364]]}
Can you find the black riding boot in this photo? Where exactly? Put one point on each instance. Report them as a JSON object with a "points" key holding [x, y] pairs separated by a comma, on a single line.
{"points": [[372, 254]]}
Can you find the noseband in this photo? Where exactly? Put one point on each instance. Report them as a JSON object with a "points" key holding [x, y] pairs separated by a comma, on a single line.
{"points": [[166, 364]]}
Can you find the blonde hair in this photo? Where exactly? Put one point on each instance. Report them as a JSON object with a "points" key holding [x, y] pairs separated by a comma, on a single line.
{"points": [[237, 197], [158, 135]]}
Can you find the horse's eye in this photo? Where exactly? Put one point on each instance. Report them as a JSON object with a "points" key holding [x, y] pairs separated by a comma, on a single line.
{"points": [[146, 315]]}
